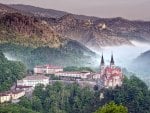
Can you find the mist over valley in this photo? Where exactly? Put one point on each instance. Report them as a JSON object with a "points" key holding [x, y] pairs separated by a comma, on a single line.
{"points": [[53, 61]]}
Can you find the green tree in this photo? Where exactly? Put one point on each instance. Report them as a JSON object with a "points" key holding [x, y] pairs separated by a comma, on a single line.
{"points": [[25, 102], [134, 94], [10, 72], [112, 108], [71, 98], [36, 104], [13, 108]]}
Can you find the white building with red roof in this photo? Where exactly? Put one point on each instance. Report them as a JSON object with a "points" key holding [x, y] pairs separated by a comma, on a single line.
{"points": [[11, 95], [47, 69], [4, 97], [75, 74], [33, 80]]}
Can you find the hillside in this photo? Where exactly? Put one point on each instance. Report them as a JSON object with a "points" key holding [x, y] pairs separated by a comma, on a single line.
{"points": [[5, 8], [71, 54], [144, 57], [50, 13], [86, 32], [10, 71], [142, 62], [33, 41], [93, 32], [25, 30]]}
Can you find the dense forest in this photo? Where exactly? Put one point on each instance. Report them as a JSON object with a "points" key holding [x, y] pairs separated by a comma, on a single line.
{"points": [[13, 108], [111, 107], [10, 71], [132, 97], [70, 54]]}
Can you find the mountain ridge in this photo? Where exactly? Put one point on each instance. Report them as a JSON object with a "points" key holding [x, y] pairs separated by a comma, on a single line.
{"points": [[62, 13], [33, 41], [95, 32], [28, 30]]}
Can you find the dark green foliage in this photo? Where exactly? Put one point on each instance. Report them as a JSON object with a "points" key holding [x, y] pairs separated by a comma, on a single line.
{"points": [[2, 57], [14, 109], [53, 77], [60, 98], [133, 94], [112, 108], [26, 103], [71, 98], [10, 72], [36, 104]]}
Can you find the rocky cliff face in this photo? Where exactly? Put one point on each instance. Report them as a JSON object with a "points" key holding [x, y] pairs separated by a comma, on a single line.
{"points": [[92, 34], [92, 31], [27, 30]]}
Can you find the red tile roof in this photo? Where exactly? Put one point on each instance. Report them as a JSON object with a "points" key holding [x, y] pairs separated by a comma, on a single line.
{"points": [[35, 77], [10, 92], [19, 86], [73, 72], [112, 71], [49, 66], [16, 91], [3, 94]]}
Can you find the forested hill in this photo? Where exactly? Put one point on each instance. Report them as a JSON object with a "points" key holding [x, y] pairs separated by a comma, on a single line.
{"points": [[10, 72], [71, 54]]}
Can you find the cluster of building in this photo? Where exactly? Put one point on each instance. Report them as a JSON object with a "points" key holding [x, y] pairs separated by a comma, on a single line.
{"points": [[23, 87], [108, 76], [59, 72]]}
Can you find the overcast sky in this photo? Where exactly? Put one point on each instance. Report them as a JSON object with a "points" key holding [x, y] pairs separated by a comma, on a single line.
{"points": [[130, 9]]}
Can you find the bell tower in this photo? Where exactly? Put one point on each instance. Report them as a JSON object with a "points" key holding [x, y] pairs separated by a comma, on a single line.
{"points": [[112, 62], [102, 64]]}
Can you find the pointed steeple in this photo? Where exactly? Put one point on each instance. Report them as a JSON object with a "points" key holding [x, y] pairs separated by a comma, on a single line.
{"points": [[102, 61], [112, 60]]}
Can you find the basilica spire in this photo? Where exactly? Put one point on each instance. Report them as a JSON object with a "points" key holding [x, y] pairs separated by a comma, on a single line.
{"points": [[112, 60], [102, 61]]}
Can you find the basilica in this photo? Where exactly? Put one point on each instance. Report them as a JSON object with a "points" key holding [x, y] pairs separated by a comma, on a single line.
{"points": [[111, 75]]}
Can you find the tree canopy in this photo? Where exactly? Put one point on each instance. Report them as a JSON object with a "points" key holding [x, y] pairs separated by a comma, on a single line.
{"points": [[134, 94], [11, 108], [112, 108], [10, 71], [60, 98]]}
